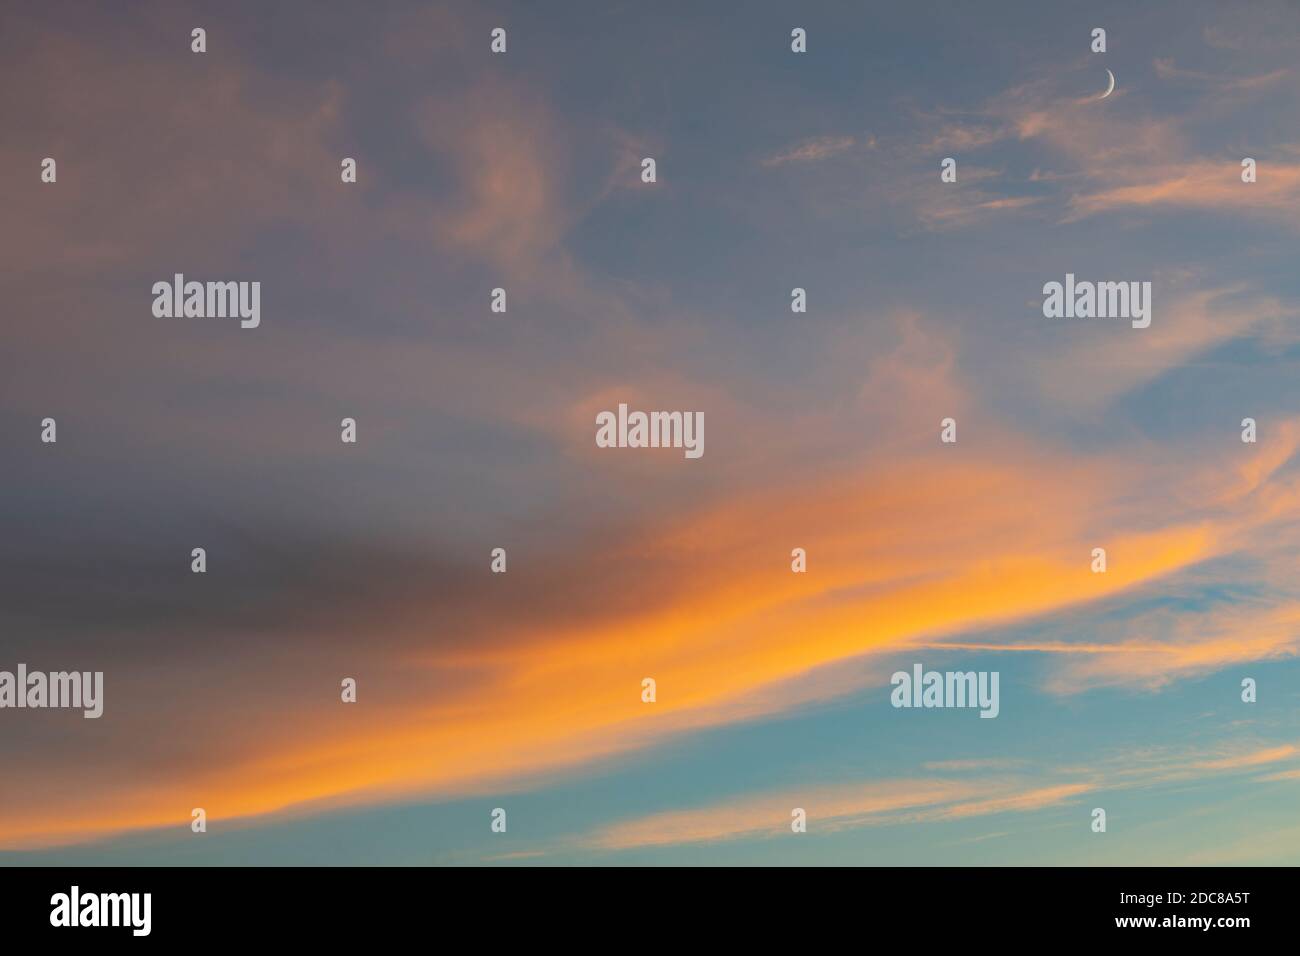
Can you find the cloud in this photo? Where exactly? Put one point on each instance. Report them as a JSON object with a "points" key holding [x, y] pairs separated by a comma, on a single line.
{"points": [[1091, 367], [1113, 158], [905, 802], [1255, 759], [811, 150], [1167, 69], [986, 763], [1280, 776], [770, 815], [1153, 649], [918, 540], [116, 202], [477, 433], [963, 136], [1199, 184], [956, 209], [505, 207]]}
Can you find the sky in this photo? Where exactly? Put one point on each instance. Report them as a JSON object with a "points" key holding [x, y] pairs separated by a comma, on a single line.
{"points": [[775, 170]]}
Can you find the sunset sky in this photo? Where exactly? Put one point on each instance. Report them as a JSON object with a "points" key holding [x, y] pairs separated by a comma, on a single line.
{"points": [[476, 430]]}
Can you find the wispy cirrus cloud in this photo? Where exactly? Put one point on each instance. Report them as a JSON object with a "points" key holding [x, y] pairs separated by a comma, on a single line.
{"points": [[1200, 184], [831, 808], [1086, 371], [814, 150], [915, 801], [1280, 776], [1167, 69], [1110, 156]]}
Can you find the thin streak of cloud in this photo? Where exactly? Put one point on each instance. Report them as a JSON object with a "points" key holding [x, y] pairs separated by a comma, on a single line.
{"points": [[901, 803], [1167, 69], [1283, 775], [812, 150]]}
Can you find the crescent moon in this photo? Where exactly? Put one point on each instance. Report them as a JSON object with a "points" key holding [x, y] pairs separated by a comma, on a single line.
{"points": [[1109, 89]]}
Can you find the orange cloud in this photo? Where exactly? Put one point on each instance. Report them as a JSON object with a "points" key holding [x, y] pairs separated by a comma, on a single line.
{"points": [[1202, 184], [902, 550], [908, 543], [1239, 761], [898, 553], [1189, 644]]}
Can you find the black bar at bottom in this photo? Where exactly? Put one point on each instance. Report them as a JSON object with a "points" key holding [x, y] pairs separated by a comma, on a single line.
{"points": [[634, 908]]}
